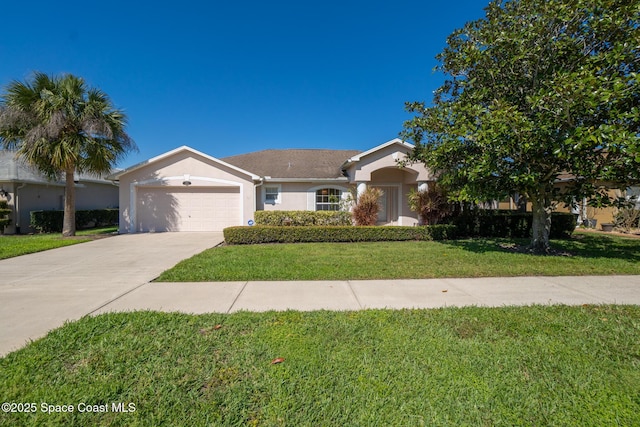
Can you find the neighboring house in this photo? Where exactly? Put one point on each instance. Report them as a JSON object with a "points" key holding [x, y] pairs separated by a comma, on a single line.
{"points": [[186, 190], [582, 208], [27, 190]]}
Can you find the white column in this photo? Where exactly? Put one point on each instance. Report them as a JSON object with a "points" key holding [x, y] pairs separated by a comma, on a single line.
{"points": [[362, 187], [423, 186]]}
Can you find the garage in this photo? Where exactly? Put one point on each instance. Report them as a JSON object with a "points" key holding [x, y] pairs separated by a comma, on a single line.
{"points": [[184, 190], [187, 209]]}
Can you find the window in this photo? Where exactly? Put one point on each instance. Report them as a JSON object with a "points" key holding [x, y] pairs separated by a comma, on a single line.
{"points": [[328, 199], [272, 195]]}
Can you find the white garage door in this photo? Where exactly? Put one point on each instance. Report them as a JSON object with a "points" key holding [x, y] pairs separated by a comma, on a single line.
{"points": [[187, 209]]}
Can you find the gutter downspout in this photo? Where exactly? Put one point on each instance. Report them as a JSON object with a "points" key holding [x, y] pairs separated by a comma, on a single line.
{"points": [[255, 195]]}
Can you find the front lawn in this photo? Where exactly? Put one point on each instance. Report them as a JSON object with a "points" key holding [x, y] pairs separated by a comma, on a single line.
{"points": [[16, 245], [560, 366], [584, 254]]}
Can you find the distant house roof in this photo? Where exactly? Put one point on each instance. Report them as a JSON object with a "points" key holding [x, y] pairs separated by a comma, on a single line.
{"points": [[294, 163], [13, 169]]}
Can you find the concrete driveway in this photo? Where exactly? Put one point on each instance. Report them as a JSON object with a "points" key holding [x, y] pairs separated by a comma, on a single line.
{"points": [[41, 291]]}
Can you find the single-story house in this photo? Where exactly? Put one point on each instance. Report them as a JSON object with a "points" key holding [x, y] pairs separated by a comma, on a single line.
{"points": [[26, 190], [187, 190]]}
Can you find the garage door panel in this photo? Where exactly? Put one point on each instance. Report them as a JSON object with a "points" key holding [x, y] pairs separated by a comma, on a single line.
{"points": [[188, 209]]}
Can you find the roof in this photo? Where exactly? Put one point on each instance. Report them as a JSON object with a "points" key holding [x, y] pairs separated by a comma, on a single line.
{"points": [[13, 169], [294, 163], [118, 174], [396, 141]]}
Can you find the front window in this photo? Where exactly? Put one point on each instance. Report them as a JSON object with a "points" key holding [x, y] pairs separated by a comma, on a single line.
{"points": [[328, 199], [272, 195]]}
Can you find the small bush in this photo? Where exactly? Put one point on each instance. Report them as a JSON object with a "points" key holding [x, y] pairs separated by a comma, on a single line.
{"points": [[51, 221], [510, 224], [562, 225], [302, 218], [627, 218], [270, 234], [365, 211], [4, 215], [431, 205]]}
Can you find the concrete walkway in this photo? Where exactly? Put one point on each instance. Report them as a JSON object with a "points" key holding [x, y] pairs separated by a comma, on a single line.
{"points": [[39, 292], [228, 297]]}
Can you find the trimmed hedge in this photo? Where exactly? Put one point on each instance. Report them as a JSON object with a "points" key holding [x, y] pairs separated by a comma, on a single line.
{"points": [[276, 234], [4, 215], [302, 218], [493, 223], [51, 221]]}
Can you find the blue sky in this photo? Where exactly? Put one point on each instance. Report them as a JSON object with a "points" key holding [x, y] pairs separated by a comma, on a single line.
{"points": [[233, 77]]}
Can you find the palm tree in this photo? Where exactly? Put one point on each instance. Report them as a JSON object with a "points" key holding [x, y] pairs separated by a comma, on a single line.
{"points": [[62, 127]]}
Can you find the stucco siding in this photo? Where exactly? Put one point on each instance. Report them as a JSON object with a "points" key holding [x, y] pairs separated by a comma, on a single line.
{"points": [[172, 172], [36, 197], [295, 196], [386, 157]]}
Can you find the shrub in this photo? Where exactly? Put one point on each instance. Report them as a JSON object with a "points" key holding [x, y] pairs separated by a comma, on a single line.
{"points": [[511, 224], [271, 234], [365, 211], [302, 218], [51, 221], [431, 205], [4, 215], [627, 218]]}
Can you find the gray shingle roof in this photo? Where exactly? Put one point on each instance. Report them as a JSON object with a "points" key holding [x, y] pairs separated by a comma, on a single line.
{"points": [[16, 170], [294, 163], [12, 169]]}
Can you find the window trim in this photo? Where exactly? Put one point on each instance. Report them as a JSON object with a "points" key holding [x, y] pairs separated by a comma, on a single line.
{"points": [[278, 198], [328, 203]]}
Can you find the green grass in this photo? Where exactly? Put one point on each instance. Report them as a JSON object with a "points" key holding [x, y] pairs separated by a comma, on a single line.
{"points": [[16, 245], [589, 255], [556, 365]]}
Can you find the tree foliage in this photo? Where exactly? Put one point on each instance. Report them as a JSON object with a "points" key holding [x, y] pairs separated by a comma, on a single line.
{"points": [[537, 92], [62, 127]]}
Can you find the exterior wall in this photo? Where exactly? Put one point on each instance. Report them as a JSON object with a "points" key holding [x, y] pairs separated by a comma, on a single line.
{"points": [[386, 157], [35, 197], [172, 171], [601, 215], [295, 196]]}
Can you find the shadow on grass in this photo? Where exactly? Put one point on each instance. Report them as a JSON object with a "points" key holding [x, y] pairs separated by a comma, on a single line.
{"points": [[580, 245]]}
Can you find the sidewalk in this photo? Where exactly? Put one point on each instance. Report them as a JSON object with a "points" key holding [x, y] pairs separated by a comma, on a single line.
{"points": [[228, 297], [41, 291]]}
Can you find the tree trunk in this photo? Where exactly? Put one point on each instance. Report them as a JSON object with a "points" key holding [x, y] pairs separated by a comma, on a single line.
{"points": [[541, 226], [69, 221]]}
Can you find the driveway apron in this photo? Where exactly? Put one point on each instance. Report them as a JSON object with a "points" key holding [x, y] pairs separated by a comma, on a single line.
{"points": [[39, 292]]}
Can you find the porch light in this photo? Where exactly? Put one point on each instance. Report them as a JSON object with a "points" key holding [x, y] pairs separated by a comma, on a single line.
{"points": [[187, 180]]}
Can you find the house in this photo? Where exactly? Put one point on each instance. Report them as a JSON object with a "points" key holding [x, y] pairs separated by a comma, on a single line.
{"points": [[583, 210], [26, 190], [187, 190]]}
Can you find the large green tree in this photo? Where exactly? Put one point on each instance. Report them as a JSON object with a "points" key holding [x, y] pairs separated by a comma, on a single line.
{"points": [[62, 127], [537, 92]]}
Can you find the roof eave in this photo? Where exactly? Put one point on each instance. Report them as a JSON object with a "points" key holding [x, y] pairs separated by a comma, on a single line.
{"points": [[394, 141], [116, 176], [341, 179]]}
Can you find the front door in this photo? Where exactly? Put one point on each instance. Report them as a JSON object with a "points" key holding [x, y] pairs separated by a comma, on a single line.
{"points": [[388, 214]]}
